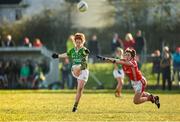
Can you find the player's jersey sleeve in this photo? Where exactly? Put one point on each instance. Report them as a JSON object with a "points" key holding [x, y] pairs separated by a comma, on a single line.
{"points": [[85, 52], [118, 65]]}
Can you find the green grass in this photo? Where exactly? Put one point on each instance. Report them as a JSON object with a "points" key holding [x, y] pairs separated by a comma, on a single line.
{"points": [[48, 105], [103, 71]]}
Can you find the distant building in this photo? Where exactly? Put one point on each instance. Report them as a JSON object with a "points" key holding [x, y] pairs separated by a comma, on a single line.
{"points": [[37, 6], [11, 10]]}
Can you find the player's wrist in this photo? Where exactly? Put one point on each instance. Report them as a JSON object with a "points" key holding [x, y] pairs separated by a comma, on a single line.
{"points": [[55, 55], [114, 61]]}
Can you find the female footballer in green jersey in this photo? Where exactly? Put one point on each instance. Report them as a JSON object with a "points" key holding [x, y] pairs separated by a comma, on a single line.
{"points": [[79, 56], [118, 72]]}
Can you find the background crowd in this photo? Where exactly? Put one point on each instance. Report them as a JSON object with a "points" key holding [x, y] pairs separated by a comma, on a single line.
{"points": [[29, 73], [8, 41]]}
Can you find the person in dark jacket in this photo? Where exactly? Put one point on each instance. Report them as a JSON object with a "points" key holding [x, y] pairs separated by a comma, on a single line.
{"points": [[156, 59], [116, 42], [66, 74], [166, 68], [1, 42], [139, 45], [93, 46], [9, 42]]}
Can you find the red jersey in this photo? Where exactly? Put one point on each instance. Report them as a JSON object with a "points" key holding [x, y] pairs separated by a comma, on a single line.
{"points": [[129, 44], [37, 44], [132, 71]]}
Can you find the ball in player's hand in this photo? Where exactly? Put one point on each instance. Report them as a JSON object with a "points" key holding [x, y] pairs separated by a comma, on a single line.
{"points": [[82, 6], [55, 55]]}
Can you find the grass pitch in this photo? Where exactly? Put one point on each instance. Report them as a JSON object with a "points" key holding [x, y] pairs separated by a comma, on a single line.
{"points": [[94, 106]]}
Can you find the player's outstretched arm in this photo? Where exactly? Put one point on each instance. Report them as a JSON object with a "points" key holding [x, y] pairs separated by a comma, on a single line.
{"points": [[56, 55], [113, 60], [127, 63]]}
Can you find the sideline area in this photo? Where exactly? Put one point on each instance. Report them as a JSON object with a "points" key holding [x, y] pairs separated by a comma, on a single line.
{"points": [[86, 91]]}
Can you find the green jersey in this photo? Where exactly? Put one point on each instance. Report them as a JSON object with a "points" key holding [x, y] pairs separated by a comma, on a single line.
{"points": [[79, 56], [119, 65]]}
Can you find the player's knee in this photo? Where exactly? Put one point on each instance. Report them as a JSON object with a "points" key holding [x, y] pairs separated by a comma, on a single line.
{"points": [[135, 101], [80, 89]]}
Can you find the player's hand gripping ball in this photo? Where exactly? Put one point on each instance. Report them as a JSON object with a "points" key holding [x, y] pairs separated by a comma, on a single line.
{"points": [[82, 6]]}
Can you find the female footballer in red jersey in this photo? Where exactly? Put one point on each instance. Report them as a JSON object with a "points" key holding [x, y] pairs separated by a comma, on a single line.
{"points": [[139, 83]]}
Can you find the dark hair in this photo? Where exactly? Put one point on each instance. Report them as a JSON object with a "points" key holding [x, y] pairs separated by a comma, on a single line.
{"points": [[131, 51]]}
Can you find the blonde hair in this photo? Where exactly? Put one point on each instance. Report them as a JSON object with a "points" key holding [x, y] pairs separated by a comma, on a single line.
{"points": [[71, 37], [121, 50], [128, 37], [166, 48]]}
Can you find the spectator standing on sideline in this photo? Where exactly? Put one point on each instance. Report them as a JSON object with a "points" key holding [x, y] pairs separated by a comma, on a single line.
{"points": [[137, 58], [3, 77], [156, 59], [1, 42], [14, 73], [37, 43], [139, 45], [27, 42], [66, 74], [24, 74], [93, 46], [176, 64], [69, 46], [9, 42], [38, 76], [116, 42], [166, 68], [129, 41]]}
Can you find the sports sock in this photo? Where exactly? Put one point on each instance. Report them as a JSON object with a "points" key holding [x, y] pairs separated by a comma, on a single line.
{"points": [[75, 104]]}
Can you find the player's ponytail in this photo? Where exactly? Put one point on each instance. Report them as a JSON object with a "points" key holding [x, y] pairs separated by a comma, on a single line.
{"points": [[133, 53]]}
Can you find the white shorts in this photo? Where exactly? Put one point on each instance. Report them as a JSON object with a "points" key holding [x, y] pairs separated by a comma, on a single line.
{"points": [[118, 73], [139, 85], [84, 75]]}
